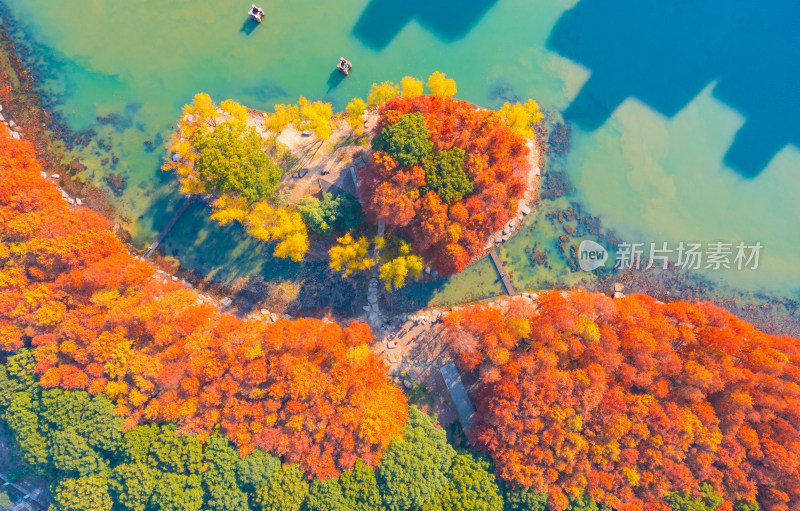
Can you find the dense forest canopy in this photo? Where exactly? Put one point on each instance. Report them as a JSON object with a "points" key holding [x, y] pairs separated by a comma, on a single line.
{"points": [[127, 392], [102, 320], [633, 400]]}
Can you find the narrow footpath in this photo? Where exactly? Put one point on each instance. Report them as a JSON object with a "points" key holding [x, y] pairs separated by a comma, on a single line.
{"points": [[503, 273], [169, 226]]}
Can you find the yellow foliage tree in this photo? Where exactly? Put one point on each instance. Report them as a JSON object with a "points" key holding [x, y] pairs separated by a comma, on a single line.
{"points": [[411, 87], [202, 109], [228, 209], [198, 117], [440, 85], [521, 118], [317, 117], [355, 111], [284, 115], [379, 93], [395, 272], [266, 223], [350, 255], [237, 111]]}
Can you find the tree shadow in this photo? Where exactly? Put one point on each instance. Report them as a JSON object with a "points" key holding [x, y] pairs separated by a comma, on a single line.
{"points": [[335, 79], [449, 20], [665, 53], [248, 26]]}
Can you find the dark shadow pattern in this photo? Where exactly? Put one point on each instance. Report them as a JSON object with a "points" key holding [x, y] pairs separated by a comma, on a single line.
{"points": [[665, 53], [449, 20], [335, 79], [248, 26]]}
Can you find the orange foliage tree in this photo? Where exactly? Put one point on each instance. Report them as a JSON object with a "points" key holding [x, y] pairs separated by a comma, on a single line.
{"points": [[103, 320], [631, 399], [495, 161]]}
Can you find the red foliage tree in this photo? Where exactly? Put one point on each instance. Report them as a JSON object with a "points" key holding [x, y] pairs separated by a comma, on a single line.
{"points": [[631, 399], [495, 161], [102, 320]]}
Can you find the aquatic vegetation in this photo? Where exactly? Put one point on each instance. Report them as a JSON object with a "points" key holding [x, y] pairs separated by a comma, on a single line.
{"points": [[117, 183]]}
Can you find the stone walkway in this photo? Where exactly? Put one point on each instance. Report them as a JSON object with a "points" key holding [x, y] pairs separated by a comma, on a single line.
{"points": [[372, 308]]}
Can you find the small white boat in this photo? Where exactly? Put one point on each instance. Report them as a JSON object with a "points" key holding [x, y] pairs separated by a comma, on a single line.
{"points": [[344, 66], [256, 13]]}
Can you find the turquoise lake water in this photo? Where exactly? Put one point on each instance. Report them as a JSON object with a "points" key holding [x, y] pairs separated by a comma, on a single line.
{"points": [[685, 115]]}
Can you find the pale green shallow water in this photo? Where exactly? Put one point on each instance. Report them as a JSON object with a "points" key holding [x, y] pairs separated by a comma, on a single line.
{"points": [[653, 177]]}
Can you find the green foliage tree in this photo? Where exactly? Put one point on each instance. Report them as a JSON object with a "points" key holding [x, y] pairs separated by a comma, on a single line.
{"points": [[177, 492], [683, 501], [444, 174], [253, 471], [470, 486], [136, 442], [222, 492], [341, 211], [521, 499], [132, 484], [89, 493], [176, 454], [360, 488], [24, 423], [585, 503], [17, 375], [326, 496], [746, 505], [407, 140], [231, 161], [414, 469], [285, 490], [101, 428], [91, 418], [71, 454]]}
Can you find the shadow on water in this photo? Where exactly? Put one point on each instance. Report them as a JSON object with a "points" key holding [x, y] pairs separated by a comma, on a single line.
{"points": [[666, 53], [336, 77], [248, 26], [449, 20]]}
